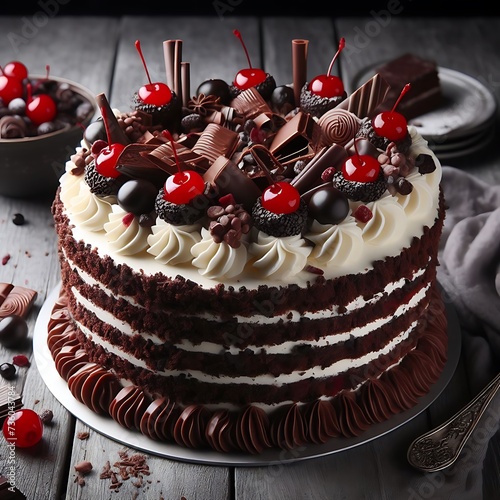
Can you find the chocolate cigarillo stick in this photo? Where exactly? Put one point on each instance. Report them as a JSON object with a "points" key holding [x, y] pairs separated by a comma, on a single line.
{"points": [[168, 54], [299, 66]]}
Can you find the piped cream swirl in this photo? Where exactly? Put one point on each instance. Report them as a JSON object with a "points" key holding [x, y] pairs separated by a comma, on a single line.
{"points": [[387, 222], [336, 244], [88, 210], [124, 233], [279, 257], [172, 244], [218, 260]]}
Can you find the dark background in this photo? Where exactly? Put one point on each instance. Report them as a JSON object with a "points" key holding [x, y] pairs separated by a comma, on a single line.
{"points": [[308, 8]]}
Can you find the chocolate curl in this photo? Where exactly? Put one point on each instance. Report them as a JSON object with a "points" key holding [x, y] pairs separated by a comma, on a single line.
{"points": [[113, 130], [299, 66], [172, 52], [186, 83]]}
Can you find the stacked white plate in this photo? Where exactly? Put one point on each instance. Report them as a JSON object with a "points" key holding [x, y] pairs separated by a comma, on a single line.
{"points": [[464, 123]]}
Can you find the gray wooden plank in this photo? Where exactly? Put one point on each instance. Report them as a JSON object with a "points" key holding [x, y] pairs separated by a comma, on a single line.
{"points": [[210, 48], [278, 33], [162, 479]]}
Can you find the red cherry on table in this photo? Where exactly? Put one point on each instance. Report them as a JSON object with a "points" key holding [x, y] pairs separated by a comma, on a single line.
{"points": [[106, 160], [24, 428], [391, 124], [156, 94], [16, 69], [328, 85], [281, 198], [247, 77], [41, 109], [10, 88], [361, 168], [182, 187]]}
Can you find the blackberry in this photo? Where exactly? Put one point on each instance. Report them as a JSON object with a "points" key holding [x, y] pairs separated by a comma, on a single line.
{"points": [[99, 184], [316, 105], [360, 191], [179, 215], [279, 225]]}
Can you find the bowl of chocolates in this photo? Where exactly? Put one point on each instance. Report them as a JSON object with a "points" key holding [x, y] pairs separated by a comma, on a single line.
{"points": [[42, 118]]}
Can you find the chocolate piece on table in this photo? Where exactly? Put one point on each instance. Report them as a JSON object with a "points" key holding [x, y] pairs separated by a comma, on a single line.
{"points": [[365, 100], [296, 138], [228, 178], [9, 491], [9, 400], [16, 300], [310, 176]]}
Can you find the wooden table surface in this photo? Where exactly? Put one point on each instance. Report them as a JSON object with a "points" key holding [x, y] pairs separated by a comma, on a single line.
{"points": [[99, 52]]}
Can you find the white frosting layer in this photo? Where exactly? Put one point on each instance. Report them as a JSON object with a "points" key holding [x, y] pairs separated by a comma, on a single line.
{"points": [[349, 247]]}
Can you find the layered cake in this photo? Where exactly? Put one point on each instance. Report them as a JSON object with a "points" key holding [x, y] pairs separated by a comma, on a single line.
{"points": [[249, 276]]}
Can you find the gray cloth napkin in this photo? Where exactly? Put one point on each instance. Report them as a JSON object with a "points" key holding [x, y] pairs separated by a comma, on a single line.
{"points": [[470, 269], [469, 272]]}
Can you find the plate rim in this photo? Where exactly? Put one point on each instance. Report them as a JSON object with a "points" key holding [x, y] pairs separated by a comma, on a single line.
{"points": [[108, 427]]}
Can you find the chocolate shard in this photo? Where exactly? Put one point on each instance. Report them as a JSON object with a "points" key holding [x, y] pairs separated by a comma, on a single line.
{"points": [[16, 300], [297, 138], [116, 133], [163, 157], [366, 99], [227, 178], [310, 176], [216, 141], [250, 104]]}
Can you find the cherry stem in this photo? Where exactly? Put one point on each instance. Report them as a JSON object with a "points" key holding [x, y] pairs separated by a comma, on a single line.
{"points": [[138, 47], [168, 135], [1, 70], [237, 34], [339, 50], [406, 88], [47, 69], [28, 92]]}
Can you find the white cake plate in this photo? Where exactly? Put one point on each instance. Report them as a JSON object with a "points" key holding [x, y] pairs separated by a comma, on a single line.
{"points": [[134, 439]]}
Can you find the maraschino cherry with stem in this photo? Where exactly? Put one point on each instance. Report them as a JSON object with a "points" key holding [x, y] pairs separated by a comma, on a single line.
{"points": [[328, 85], [157, 93], [11, 87], [391, 124], [106, 160], [247, 77], [361, 168], [183, 186]]}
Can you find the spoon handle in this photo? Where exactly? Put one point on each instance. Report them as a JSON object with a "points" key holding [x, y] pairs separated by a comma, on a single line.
{"points": [[440, 447]]}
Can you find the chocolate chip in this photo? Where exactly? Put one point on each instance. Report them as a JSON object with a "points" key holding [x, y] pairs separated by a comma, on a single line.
{"points": [[18, 219]]}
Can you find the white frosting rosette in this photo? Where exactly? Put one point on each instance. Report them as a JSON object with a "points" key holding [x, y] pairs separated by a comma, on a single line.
{"points": [[124, 234], [336, 245], [278, 258], [172, 244], [88, 210], [218, 260]]}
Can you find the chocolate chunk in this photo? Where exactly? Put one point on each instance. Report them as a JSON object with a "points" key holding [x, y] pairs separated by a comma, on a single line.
{"points": [[15, 300]]}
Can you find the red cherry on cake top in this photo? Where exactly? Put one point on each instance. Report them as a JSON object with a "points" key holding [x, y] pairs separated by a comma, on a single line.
{"points": [[391, 124], [40, 108], [11, 87], [361, 168], [247, 77], [328, 85], [106, 160], [281, 198], [16, 69], [181, 187], [156, 94]]}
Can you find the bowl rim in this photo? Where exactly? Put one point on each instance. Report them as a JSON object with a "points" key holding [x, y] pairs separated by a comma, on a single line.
{"points": [[79, 89]]}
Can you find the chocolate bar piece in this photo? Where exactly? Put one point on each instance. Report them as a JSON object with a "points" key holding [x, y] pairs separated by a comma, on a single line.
{"points": [[15, 300]]}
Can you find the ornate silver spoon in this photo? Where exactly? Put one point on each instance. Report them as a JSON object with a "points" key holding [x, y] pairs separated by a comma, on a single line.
{"points": [[440, 447]]}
